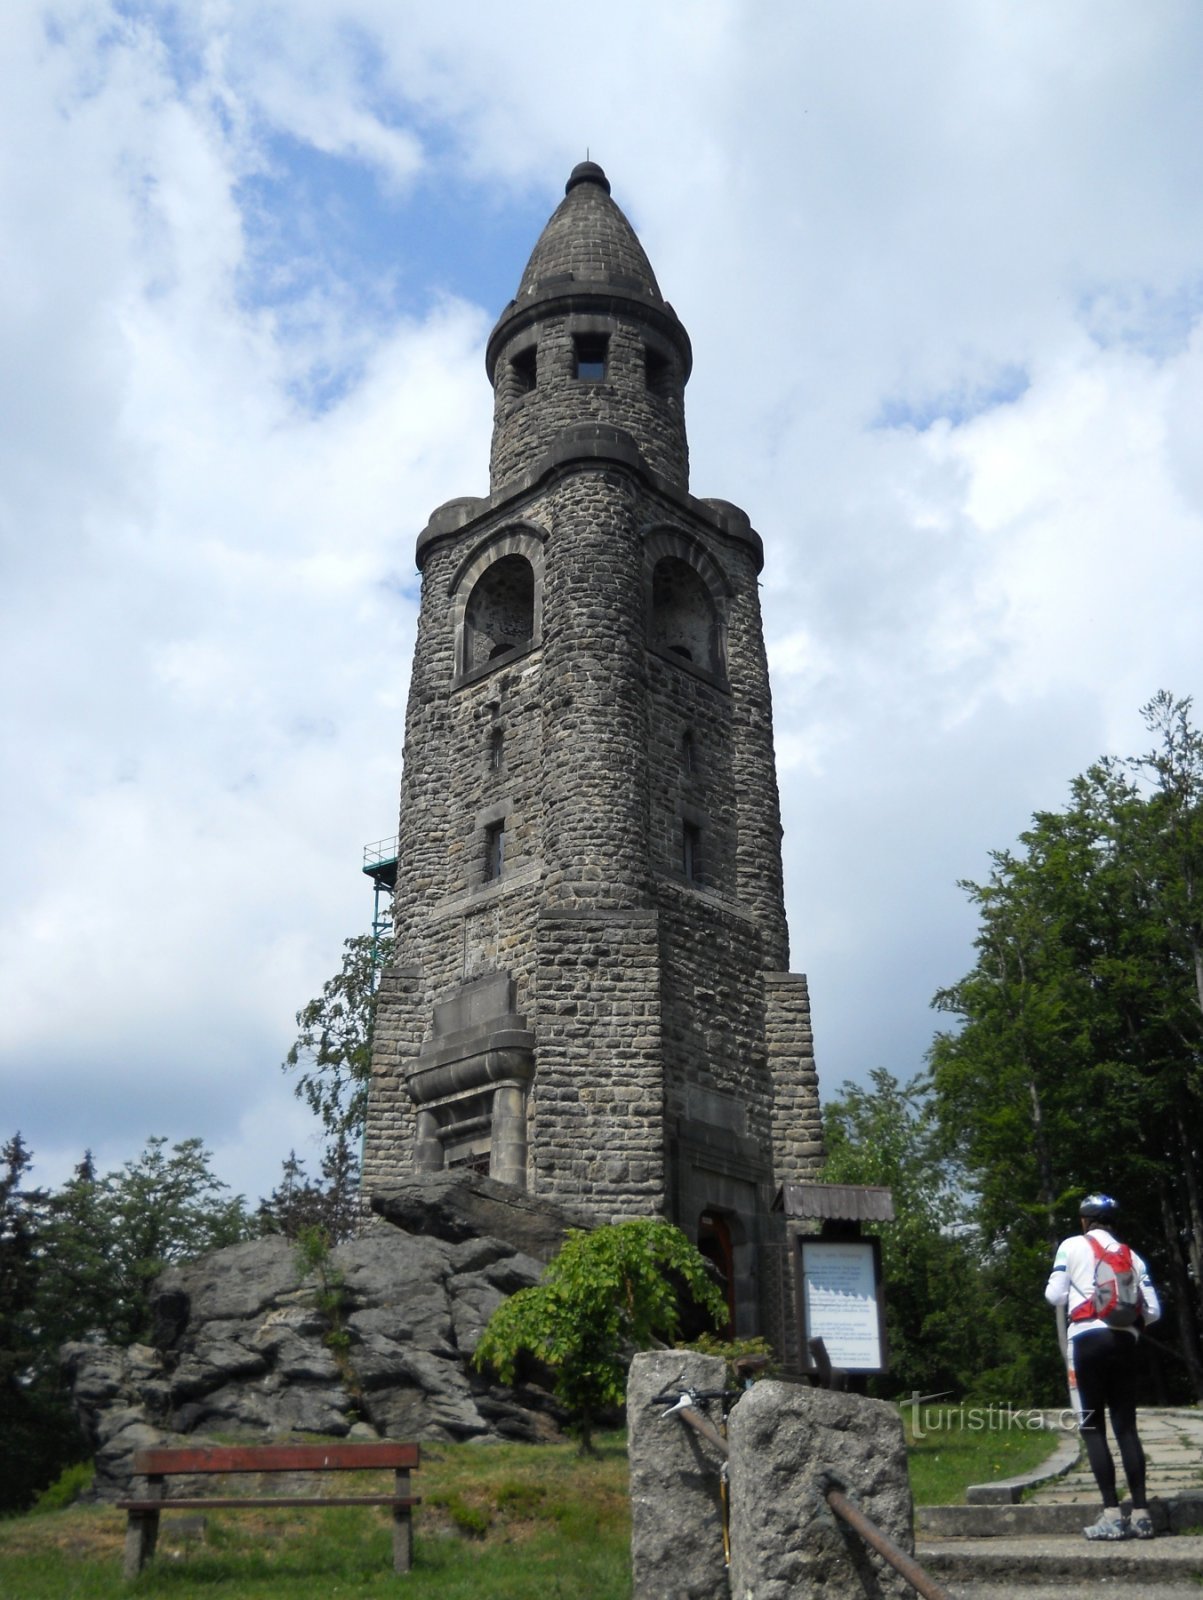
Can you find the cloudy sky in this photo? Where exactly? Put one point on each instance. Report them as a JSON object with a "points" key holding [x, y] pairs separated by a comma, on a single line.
{"points": [[942, 265]]}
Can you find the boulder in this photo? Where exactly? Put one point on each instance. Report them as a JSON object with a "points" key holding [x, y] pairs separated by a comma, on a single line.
{"points": [[457, 1206]]}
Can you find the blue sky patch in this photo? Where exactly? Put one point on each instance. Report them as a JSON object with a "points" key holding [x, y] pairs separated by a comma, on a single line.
{"points": [[957, 405], [1138, 316], [317, 221]]}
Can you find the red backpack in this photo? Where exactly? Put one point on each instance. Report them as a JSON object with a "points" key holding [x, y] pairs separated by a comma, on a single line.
{"points": [[1116, 1299]]}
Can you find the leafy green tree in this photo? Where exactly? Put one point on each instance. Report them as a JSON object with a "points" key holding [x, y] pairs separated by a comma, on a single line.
{"points": [[104, 1240], [333, 1051], [1076, 1064], [887, 1135], [166, 1206], [607, 1294]]}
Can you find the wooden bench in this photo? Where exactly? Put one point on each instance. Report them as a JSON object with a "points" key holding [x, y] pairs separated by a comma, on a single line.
{"points": [[157, 1466]]}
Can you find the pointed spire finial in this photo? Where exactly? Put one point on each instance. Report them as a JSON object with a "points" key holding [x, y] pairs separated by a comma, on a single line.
{"points": [[587, 172]]}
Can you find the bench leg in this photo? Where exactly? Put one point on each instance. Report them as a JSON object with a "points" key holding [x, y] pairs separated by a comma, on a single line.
{"points": [[141, 1536], [403, 1528]]}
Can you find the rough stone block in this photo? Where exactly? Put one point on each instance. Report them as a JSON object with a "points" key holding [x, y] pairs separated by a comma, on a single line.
{"points": [[786, 1543], [455, 1206], [676, 1497]]}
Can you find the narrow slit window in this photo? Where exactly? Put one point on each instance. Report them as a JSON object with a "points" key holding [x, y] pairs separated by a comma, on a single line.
{"points": [[494, 851], [691, 851], [589, 352], [689, 756], [496, 750]]}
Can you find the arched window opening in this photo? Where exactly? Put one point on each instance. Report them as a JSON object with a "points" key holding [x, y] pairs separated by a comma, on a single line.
{"points": [[684, 620], [500, 614]]}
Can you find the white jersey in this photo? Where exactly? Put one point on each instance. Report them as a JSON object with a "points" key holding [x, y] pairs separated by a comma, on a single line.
{"points": [[1072, 1281]]}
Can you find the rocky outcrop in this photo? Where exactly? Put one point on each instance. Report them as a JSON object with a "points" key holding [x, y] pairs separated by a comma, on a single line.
{"points": [[376, 1342]]}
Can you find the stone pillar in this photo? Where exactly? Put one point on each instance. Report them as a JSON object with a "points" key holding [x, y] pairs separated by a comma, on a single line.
{"points": [[428, 1152], [676, 1502], [507, 1160], [786, 1543]]}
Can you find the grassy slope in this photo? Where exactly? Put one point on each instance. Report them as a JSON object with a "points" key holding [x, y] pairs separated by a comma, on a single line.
{"points": [[497, 1522]]}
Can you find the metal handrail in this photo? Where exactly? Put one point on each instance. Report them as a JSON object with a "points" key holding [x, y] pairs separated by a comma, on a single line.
{"points": [[380, 850], [906, 1566]]}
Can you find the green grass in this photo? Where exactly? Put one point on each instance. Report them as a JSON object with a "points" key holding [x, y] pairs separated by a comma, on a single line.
{"points": [[497, 1522], [951, 1455]]}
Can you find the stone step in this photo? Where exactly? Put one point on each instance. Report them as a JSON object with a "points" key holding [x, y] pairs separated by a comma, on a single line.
{"points": [[1174, 1514], [1021, 1565], [1066, 1591]]}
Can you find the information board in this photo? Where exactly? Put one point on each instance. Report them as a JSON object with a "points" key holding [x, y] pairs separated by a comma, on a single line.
{"points": [[841, 1301]]}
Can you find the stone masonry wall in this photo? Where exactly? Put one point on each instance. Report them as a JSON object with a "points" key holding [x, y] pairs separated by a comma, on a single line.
{"points": [[594, 759], [797, 1120], [598, 1125], [713, 1007], [526, 425], [759, 879]]}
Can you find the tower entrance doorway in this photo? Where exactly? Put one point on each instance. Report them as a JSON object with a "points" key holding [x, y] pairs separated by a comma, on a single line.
{"points": [[714, 1242]]}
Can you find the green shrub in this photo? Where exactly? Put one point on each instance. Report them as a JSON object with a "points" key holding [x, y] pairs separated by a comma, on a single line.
{"points": [[67, 1488]]}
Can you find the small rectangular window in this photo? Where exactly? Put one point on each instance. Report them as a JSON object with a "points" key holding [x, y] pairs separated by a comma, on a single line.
{"points": [[494, 851], [691, 851], [525, 370], [590, 351], [657, 372]]}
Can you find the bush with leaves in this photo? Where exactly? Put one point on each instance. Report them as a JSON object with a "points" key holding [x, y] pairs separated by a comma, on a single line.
{"points": [[607, 1294]]}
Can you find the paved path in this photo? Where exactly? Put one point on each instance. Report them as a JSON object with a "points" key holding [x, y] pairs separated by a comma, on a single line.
{"points": [[1031, 1555], [1173, 1441]]}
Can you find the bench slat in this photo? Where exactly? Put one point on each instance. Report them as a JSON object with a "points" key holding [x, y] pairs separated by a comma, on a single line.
{"points": [[235, 1503], [167, 1462]]}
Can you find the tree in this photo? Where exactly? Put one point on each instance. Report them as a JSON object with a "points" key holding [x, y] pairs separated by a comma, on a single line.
{"points": [[298, 1204], [333, 1051], [37, 1430], [887, 1135], [79, 1263], [104, 1240], [607, 1294], [1076, 1064]]}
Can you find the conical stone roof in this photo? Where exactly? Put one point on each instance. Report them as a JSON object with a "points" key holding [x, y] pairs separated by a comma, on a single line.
{"points": [[588, 237], [587, 258]]}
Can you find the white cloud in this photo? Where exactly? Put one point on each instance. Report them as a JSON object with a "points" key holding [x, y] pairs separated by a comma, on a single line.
{"points": [[941, 266]]}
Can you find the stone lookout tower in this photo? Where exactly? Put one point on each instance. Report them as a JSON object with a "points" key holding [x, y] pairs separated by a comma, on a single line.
{"points": [[591, 998]]}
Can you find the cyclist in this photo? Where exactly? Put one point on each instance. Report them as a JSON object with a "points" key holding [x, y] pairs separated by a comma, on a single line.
{"points": [[1102, 1367]]}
